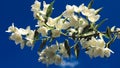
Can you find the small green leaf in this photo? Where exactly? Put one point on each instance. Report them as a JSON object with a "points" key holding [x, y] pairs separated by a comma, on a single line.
{"points": [[90, 4], [98, 25], [108, 32], [98, 11], [36, 34], [67, 47], [106, 36], [73, 36], [49, 10], [42, 44], [111, 41], [87, 29], [76, 50]]}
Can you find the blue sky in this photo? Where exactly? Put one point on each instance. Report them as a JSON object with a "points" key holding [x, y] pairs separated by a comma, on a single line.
{"points": [[18, 11]]}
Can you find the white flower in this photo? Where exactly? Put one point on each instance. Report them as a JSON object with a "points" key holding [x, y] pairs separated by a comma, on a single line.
{"points": [[43, 30], [96, 42], [118, 35], [36, 7], [24, 31], [84, 43], [50, 51], [63, 50], [97, 48], [59, 25], [92, 42], [58, 59], [107, 52], [69, 11], [55, 33], [12, 28], [16, 37], [74, 21], [51, 22], [22, 44], [88, 12], [90, 52], [93, 18], [66, 25], [79, 9], [30, 38], [113, 29], [95, 52], [42, 59], [49, 55], [91, 14], [98, 52], [101, 43], [117, 29], [18, 33], [80, 30], [72, 30], [54, 48]]}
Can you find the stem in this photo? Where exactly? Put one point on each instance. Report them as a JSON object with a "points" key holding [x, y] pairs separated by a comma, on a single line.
{"points": [[97, 34], [94, 34]]}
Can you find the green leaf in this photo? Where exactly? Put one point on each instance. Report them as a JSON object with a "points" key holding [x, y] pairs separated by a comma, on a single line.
{"points": [[106, 36], [98, 11], [36, 34], [87, 29], [98, 25], [42, 44], [111, 41], [67, 47], [76, 50], [108, 32], [73, 36], [90, 4], [49, 10]]}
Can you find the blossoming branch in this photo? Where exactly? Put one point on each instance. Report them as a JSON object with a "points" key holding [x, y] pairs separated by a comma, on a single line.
{"points": [[76, 23]]}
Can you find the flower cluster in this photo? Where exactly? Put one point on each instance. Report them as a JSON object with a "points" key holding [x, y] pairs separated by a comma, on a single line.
{"points": [[77, 23], [55, 25], [21, 36], [53, 54], [84, 10], [96, 47]]}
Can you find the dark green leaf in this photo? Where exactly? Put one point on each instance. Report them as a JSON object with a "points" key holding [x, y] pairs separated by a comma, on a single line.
{"points": [[42, 45], [98, 10], [49, 10], [73, 36], [106, 36], [108, 32], [98, 25], [87, 29], [76, 50], [111, 41], [67, 47], [36, 34], [90, 4]]}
